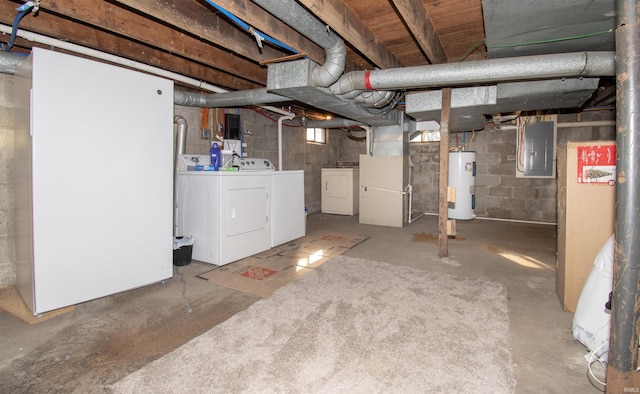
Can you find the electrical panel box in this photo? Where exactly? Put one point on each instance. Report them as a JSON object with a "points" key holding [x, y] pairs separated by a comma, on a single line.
{"points": [[536, 147], [231, 127]]}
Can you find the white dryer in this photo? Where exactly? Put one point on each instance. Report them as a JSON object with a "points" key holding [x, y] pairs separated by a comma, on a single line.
{"points": [[227, 212]]}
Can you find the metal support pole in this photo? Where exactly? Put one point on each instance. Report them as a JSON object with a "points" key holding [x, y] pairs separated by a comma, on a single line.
{"points": [[443, 204], [622, 375]]}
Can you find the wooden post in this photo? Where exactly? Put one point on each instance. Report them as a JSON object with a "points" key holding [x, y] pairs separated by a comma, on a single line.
{"points": [[443, 203]]}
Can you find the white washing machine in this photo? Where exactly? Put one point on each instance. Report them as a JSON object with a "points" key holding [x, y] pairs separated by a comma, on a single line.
{"points": [[227, 213], [235, 214]]}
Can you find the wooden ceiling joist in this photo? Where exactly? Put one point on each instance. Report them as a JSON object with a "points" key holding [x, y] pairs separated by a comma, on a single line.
{"points": [[415, 16]]}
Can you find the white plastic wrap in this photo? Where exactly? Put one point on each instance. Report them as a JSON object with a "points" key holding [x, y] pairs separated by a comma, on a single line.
{"points": [[591, 322]]}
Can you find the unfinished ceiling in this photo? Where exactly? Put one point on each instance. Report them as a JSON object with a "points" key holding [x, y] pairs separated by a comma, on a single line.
{"points": [[230, 43]]}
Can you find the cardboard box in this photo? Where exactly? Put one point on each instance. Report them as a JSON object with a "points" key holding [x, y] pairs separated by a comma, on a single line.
{"points": [[586, 217]]}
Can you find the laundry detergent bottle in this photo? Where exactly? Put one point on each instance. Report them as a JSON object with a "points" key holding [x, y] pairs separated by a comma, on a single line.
{"points": [[215, 156]]}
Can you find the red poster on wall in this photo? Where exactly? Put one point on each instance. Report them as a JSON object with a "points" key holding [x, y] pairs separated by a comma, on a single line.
{"points": [[597, 164]]}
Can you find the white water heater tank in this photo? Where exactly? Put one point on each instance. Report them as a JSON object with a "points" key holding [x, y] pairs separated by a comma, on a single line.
{"points": [[462, 177]]}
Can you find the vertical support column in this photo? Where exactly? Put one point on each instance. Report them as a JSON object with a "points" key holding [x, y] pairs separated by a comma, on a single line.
{"points": [[623, 350], [443, 204]]}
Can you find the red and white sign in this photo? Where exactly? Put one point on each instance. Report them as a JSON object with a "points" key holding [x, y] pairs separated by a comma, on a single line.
{"points": [[597, 164]]}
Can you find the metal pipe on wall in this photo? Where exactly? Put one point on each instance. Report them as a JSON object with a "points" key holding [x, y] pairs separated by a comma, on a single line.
{"points": [[622, 367], [179, 148]]}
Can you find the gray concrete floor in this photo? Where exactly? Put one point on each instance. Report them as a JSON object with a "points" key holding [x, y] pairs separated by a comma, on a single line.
{"points": [[103, 340]]}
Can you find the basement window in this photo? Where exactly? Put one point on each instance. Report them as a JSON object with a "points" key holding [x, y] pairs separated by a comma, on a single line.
{"points": [[317, 135]]}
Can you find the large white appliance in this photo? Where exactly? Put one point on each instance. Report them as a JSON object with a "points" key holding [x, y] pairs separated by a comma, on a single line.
{"points": [[288, 220], [340, 191], [462, 178], [231, 214], [94, 179]]}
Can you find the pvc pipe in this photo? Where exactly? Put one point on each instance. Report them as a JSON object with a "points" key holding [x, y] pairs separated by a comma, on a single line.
{"points": [[499, 220], [592, 123], [39, 38], [560, 125], [280, 120]]}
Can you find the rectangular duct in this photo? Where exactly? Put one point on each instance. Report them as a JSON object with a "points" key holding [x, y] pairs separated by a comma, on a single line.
{"points": [[469, 105], [293, 80]]}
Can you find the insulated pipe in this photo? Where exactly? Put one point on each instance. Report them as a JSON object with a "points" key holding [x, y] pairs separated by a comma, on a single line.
{"points": [[294, 15], [124, 62], [280, 120], [180, 143], [374, 99], [575, 64], [228, 99]]}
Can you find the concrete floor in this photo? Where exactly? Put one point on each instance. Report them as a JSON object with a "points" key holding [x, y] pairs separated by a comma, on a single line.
{"points": [[103, 340]]}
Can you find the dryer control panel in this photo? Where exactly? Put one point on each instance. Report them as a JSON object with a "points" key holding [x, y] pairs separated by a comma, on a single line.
{"points": [[253, 164]]}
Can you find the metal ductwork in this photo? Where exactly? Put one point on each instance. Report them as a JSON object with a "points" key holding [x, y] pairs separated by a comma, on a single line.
{"points": [[229, 99], [9, 62], [294, 15], [525, 68], [305, 81]]}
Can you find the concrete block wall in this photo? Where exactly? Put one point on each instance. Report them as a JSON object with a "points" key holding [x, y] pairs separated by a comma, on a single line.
{"points": [[499, 194], [7, 249], [260, 134]]}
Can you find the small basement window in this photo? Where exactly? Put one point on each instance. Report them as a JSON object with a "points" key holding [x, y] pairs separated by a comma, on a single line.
{"points": [[317, 135]]}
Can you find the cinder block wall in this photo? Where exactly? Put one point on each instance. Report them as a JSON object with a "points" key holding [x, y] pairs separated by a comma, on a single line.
{"points": [[7, 251], [297, 154], [499, 194]]}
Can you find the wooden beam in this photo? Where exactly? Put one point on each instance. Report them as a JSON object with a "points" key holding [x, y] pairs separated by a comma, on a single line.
{"points": [[415, 16], [113, 18], [443, 204], [204, 21], [341, 19], [56, 27], [257, 17]]}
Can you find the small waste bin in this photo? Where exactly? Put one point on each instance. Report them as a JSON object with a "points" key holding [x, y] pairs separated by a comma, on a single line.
{"points": [[182, 250]]}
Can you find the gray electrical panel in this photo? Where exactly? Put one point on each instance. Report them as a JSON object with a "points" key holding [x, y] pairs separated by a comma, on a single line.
{"points": [[539, 147]]}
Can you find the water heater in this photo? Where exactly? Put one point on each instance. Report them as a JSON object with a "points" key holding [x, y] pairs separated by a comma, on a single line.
{"points": [[462, 177]]}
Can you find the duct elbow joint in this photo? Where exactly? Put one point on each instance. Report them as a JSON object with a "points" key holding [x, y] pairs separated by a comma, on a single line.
{"points": [[333, 67]]}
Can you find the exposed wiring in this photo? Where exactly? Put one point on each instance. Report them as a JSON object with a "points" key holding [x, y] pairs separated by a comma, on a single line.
{"points": [[352, 137], [473, 47], [591, 361], [184, 288], [550, 40], [23, 10], [259, 36]]}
